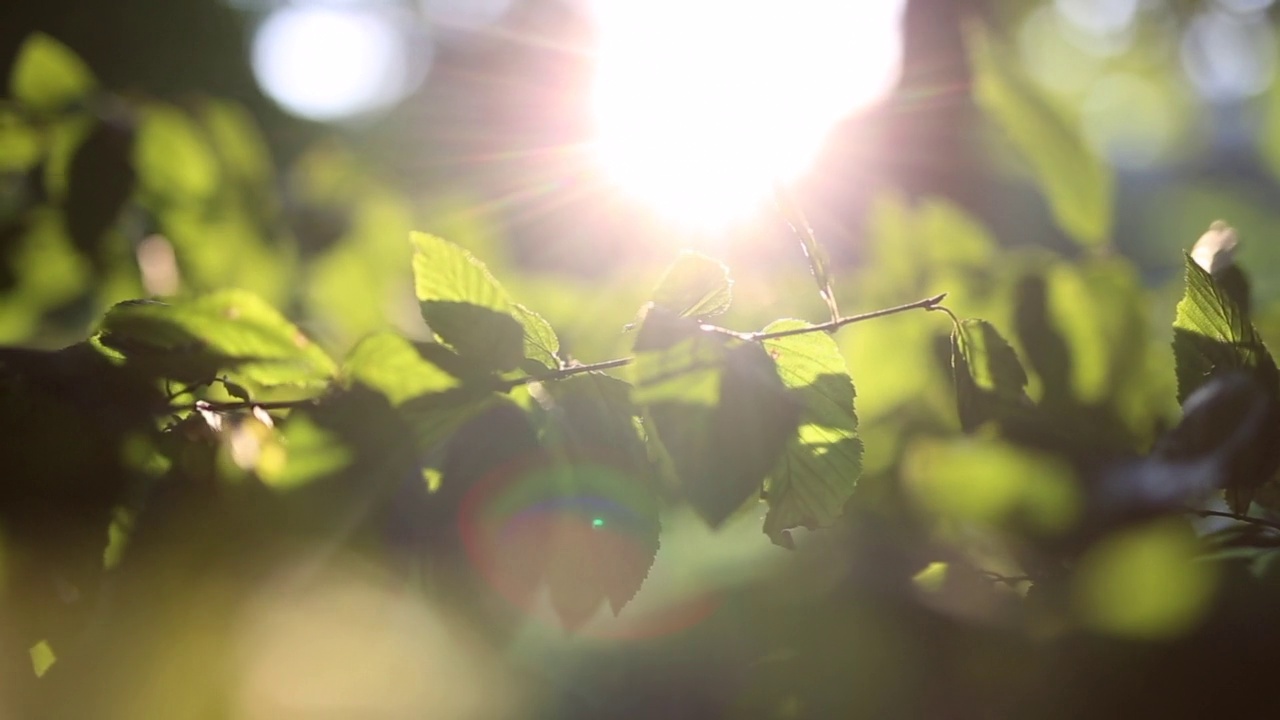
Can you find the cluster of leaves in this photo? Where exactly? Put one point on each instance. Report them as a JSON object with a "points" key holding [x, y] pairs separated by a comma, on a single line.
{"points": [[213, 434]]}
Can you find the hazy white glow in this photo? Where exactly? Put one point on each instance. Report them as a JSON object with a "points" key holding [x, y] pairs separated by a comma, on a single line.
{"points": [[701, 105], [463, 15], [327, 61]]}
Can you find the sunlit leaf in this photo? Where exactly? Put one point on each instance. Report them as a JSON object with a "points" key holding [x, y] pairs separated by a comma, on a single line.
{"points": [[467, 308], [1077, 184], [989, 378], [719, 409], [1211, 334], [694, 286], [48, 76], [192, 339], [19, 143], [820, 468], [992, 483], [391, 365], [540, 342], [173, 157], [310, 452], [238, 141], [1145, 583]]}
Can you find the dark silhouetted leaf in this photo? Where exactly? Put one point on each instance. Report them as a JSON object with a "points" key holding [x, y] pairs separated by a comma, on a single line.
{"points": [[694, 286], [609, 485], [1227, 438], [1047, 351], [101, 179], [989, 379], [719, 409], [820, 468]]}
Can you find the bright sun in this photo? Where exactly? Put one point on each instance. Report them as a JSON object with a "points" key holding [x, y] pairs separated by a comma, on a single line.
{"points": [[701, 106]]}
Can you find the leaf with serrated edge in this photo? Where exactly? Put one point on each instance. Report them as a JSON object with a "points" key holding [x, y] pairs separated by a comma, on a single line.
{"points": [[228, 329], [988, 374], [720, 411], [820, 468], [694, 286], [446, 277], [391, 365], [609, 476], [1212, 334]]}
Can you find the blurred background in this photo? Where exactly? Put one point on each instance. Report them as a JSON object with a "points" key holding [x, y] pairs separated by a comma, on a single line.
{"points": [[960, 146], [514, 106]]}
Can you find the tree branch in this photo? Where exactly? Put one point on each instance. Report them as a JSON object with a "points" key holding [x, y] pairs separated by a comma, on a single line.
{"points": [[929, 303], [1249, 520]]}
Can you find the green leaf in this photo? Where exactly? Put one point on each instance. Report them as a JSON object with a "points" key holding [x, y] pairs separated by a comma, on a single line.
{"points": [[718, 408], [540, 342], [1077, 185], [48, 76], [20, 146], [467, 308], [1212, 334], [391, 365], [173, 157], [820, 468], [192, 340], [311, 452], [605, 486], [989, 379], [694, 286]]}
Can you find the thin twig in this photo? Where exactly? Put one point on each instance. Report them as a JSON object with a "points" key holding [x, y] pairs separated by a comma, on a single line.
{"points": [[1247, 519], [1009, 580], [930, 303], [242, 405]]}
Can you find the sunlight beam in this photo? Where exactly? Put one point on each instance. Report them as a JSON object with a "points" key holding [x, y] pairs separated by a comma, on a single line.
{"points": [[701, 106]]}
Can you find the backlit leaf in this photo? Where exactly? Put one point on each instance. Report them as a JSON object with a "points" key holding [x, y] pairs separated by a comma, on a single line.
{"points": [[694, 286], [1212, 334], [191, 340], [48, 76], [391, 365], [467, 309], [820, 468], [173, 157], [989, 379], [718, 407]]}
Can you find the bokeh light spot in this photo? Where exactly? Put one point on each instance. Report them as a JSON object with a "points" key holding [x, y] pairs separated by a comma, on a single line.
{"points": [[326, 62]]}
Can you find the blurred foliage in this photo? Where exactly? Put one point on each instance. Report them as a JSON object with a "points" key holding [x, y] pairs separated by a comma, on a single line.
{"points": [[269, 452]]}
